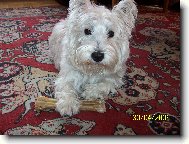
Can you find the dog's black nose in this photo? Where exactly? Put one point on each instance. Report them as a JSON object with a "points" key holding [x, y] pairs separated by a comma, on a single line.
{"points": [[97, 56]]}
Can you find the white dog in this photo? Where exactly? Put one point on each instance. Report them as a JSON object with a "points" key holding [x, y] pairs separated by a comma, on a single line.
{"points": [[90, 48]]}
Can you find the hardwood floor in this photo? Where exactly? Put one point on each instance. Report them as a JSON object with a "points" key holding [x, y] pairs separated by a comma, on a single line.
{"points": [[27, 3]]}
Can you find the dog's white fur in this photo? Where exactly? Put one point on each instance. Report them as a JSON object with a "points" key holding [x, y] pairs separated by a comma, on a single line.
{"points": [[71, 49]]}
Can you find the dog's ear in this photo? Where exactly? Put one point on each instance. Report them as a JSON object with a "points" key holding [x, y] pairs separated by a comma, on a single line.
{"points": [[79, 5], [127, 11]]}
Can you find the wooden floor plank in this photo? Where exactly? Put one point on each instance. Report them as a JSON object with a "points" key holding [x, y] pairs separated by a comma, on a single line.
{"points": [[27, 3]]}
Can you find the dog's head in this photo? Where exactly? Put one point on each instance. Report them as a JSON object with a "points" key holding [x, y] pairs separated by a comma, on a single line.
{"points": [[98, 38]]}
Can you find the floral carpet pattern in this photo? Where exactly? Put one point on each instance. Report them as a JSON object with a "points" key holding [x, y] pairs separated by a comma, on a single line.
{"points": [[147, 104]]}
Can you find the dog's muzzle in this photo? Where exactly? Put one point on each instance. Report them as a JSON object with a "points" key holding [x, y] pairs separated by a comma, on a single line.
{"points": [[97, 56]]}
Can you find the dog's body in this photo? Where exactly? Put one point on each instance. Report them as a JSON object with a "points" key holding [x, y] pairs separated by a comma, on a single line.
{"points": [[90, 48]]}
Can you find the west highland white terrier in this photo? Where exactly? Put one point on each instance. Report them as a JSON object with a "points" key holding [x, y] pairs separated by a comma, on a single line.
{"points": [[90, 48]]}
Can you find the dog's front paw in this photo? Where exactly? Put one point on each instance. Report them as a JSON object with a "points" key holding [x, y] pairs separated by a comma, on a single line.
{"points": [[68, 107]]}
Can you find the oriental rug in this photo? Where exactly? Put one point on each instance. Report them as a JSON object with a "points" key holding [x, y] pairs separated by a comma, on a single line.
{"points": [[147, 104]]}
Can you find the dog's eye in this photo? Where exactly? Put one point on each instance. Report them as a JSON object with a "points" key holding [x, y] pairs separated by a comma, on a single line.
{"points": [[87, 32], [110, 34]]}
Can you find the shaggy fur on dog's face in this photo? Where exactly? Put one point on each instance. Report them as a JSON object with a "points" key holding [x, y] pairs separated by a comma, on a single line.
{"points": [[90, 28], [90, 48], [93, 28]]}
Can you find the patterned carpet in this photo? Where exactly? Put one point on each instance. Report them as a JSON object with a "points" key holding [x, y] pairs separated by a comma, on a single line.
{"points": [[147, 104]]}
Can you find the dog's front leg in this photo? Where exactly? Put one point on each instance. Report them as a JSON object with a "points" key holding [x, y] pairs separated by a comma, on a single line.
{"points": [[67, 98], [98, 90]]}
